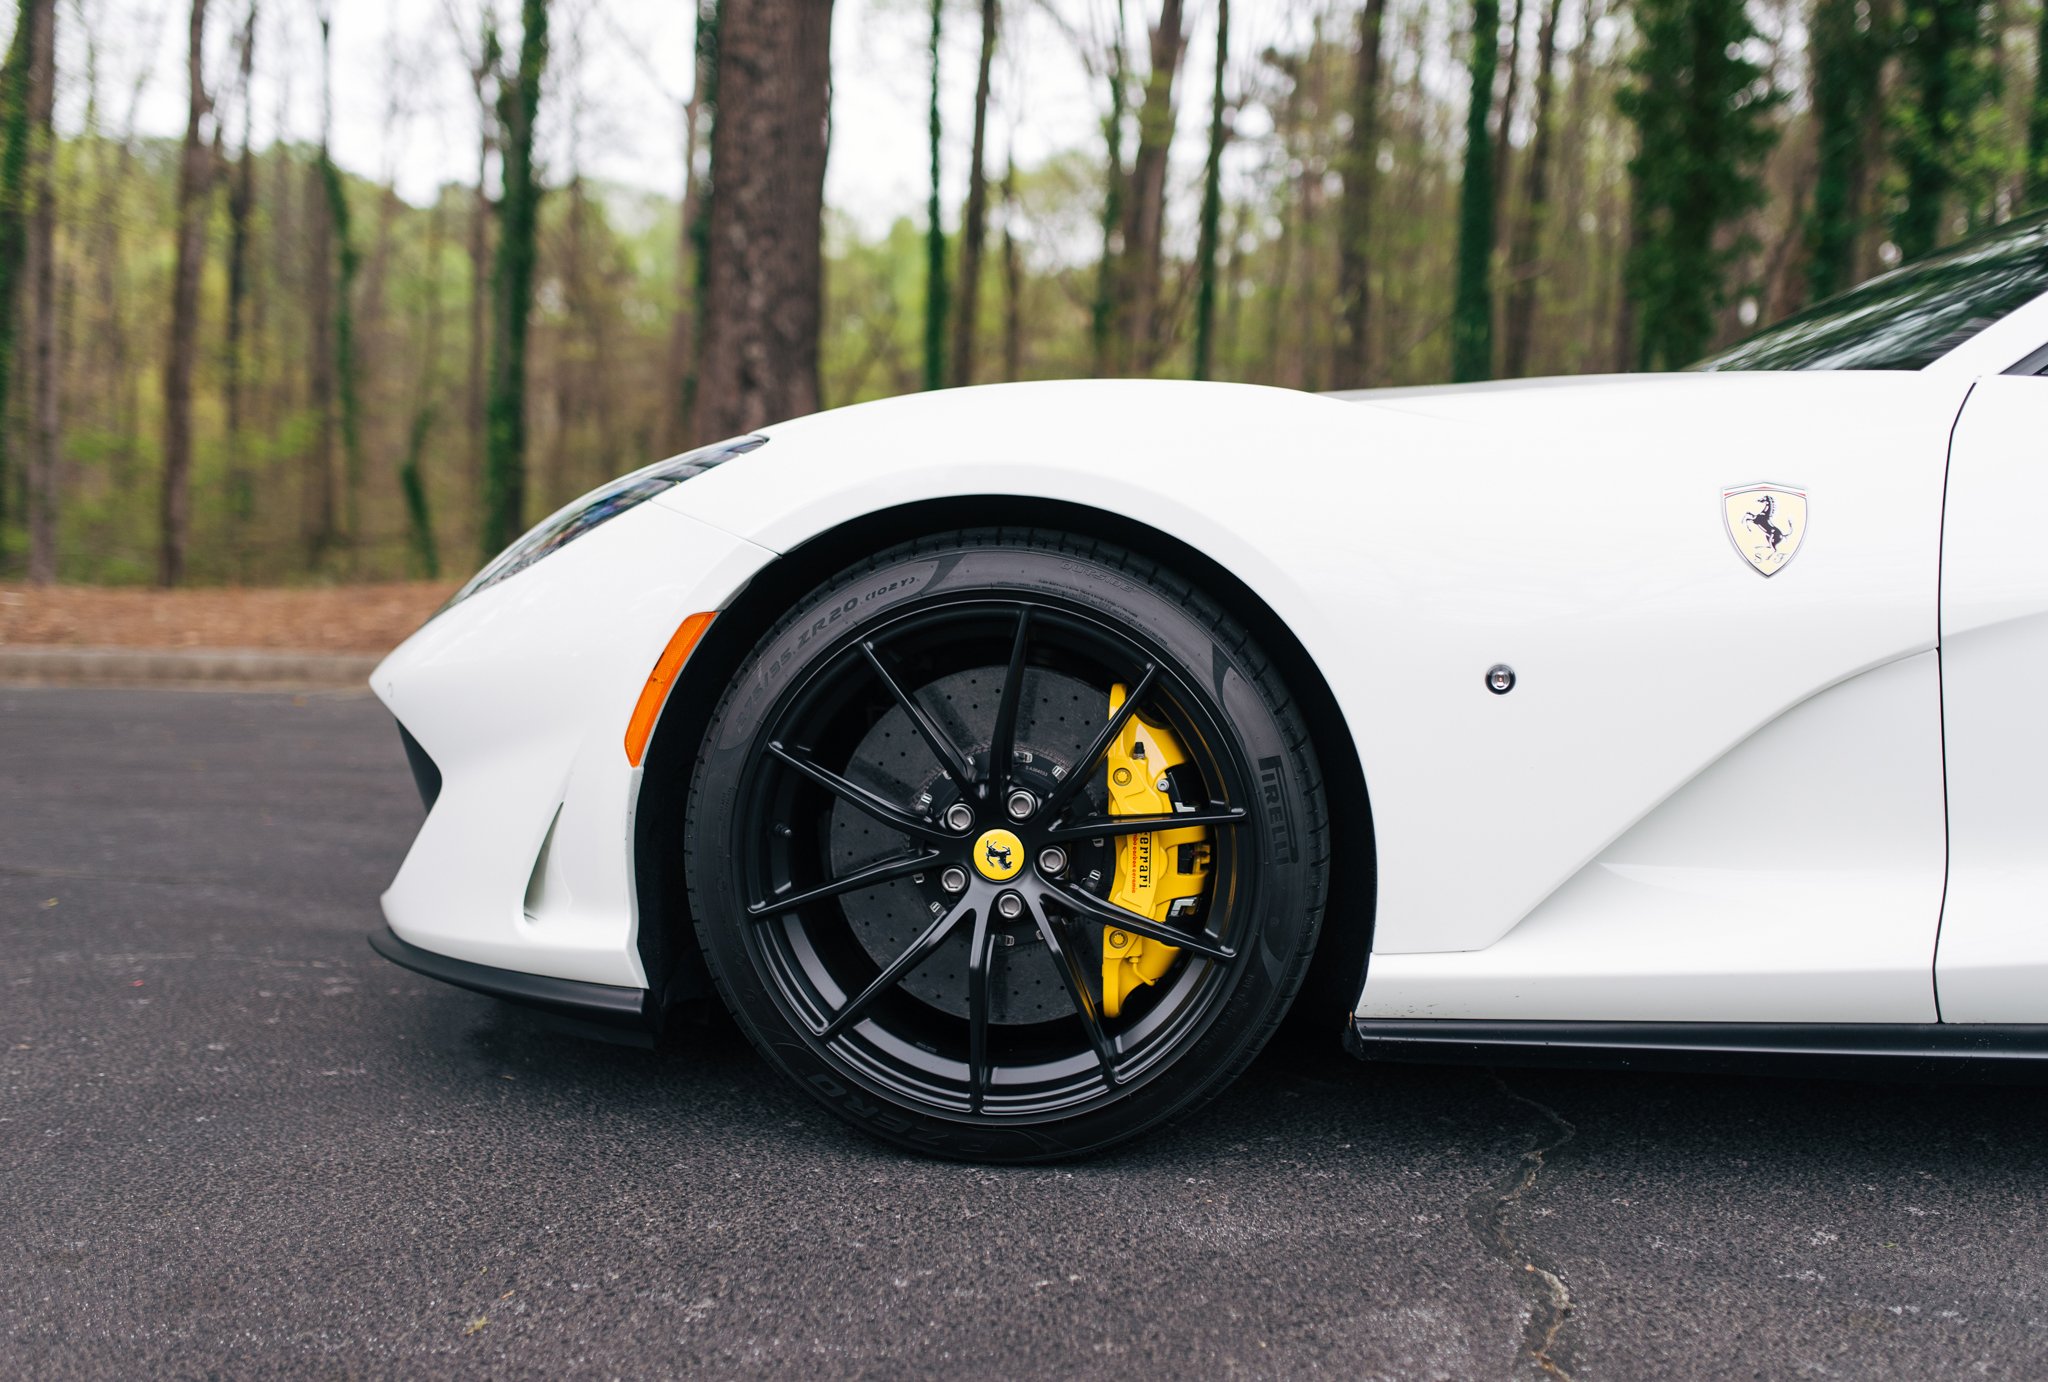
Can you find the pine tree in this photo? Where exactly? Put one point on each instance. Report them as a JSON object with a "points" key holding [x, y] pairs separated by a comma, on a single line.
{"points": [[14, 175], [1212, 204], [1701, 109], [1947, 74], [1102, 312], [1472, 313], [181, 345], [2037, 119], [1520, 310], [974, 220], [1361, 179], [512, 286], [1847, 51], [935, 303]]}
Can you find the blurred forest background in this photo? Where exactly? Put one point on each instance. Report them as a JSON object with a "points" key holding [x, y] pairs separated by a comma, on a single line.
{"points": [[231, 354]]}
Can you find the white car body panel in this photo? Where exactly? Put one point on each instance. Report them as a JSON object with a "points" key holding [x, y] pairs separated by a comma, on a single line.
{"points": [[1409, 551], [1993, 959], [1711, 796], [521, 695], [1795, 880]]}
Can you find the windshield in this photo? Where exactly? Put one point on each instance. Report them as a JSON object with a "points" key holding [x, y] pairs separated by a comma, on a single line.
{"points": [[1912, 316]]}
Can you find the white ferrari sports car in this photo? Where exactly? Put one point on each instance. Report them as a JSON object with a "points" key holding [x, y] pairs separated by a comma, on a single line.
{"points": [[1010, 759]]}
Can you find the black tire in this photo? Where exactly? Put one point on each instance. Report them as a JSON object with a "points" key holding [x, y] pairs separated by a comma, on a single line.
{"points": [[1016, 1063]]}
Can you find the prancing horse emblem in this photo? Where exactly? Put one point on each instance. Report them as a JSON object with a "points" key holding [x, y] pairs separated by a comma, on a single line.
{"points": [[998, 857], [1767, 524]]}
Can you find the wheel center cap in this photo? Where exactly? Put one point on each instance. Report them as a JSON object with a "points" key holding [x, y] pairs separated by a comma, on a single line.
{"points": [[999, 856]]}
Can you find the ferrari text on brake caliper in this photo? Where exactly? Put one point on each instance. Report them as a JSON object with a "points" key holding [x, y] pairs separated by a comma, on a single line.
{"points": [[1158, 875]]}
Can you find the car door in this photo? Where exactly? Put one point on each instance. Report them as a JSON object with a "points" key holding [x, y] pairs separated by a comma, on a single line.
{"points": [[1991, 962]]}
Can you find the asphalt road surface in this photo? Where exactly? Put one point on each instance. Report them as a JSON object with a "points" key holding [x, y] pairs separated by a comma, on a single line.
{"points": [[234, 1142]]}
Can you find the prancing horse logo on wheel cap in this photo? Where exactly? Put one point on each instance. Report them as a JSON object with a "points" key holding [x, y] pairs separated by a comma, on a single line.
{"points": [[1767, 524], [999, 856]]}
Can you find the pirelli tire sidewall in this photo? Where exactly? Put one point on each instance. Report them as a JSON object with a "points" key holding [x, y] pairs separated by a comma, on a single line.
{"points": [[1202, 647]]}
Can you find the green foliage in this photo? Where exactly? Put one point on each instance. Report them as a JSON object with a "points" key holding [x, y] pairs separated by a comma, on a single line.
{"points": [[2037, 118], [1702, 108], [935, 297], [512, 288], [1947, 74], [14, 129], [1472, 315], [1847, 52], [1212, 206], [1102, 312], [710, 13], [350, 263]]}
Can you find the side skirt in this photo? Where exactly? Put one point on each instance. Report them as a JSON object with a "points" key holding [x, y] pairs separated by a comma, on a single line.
{"points": [[1912, 1051], [607, 1012]]}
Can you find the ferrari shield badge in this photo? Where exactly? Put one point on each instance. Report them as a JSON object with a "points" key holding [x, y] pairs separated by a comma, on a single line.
{"points": [[1766, 523]]}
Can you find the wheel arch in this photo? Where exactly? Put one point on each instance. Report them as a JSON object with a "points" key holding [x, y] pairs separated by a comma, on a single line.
{"points": [[666, 942]]}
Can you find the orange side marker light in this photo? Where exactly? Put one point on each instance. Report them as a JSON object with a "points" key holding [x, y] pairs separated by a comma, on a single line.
{"points": [[655, 694]]}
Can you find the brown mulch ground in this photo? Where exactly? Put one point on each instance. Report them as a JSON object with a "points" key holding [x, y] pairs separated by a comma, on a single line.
{"points": [[340, 619]]}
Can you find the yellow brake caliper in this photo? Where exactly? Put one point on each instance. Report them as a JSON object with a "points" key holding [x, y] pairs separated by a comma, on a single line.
{"points": [[1155, 872]]}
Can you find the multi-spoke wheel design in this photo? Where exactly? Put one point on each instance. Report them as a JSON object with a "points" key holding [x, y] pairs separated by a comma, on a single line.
{"points": [[915, 853]]}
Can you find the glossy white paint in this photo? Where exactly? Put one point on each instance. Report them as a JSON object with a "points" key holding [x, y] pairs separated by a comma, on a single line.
{"points": [[521, 696], [1572, 531], [1993, 961], [1412, 540], [1797, 879]]}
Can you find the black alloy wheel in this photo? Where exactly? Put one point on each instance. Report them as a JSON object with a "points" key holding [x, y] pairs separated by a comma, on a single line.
{"points": [[901, 855]]}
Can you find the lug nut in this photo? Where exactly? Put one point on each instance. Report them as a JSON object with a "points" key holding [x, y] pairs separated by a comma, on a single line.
{"points": [[1053, 860], [959, 816], [1010, 906], [1022, 804], [953, 879]]}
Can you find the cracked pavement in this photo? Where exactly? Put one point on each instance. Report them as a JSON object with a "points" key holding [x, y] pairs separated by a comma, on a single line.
{"points": [[237, 1143]]}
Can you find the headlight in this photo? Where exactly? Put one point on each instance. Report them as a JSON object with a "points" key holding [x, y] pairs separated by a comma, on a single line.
{"points": [[605, 502]]}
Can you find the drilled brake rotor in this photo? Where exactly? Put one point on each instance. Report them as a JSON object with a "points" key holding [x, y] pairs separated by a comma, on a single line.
{"points": [[1058, 718]]}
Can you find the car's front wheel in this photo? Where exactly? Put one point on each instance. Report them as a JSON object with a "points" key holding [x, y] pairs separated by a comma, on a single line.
{"points": [[1007, 846]]}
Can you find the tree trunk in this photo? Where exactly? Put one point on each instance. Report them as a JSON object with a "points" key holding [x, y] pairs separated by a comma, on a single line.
{"points": [[1503, 129], [1847, 56], [682, 341], [347, 261], [1361, 176], [14, 209], [1472, 315], [1013, 281], [1212, 205], [195, 183], [321, 530], [710, 21], [1145, 211], [974, 225], [1944, 83], [42, 277], [1521, 303], [1105, 327], [480, 75], [760, 347], [241, 487], [411, 485], [935, 304], [2037, 119], [504, 505]]}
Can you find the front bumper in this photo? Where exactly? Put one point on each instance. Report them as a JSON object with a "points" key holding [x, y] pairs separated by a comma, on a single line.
{"points": [[519, 699], [628, 1010]]}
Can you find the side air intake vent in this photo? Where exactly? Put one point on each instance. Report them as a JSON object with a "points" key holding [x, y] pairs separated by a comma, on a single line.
{"points": [[425, 775]]}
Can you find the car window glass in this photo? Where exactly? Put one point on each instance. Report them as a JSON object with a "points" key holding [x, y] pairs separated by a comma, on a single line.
{"points": [[1912, 316]]}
